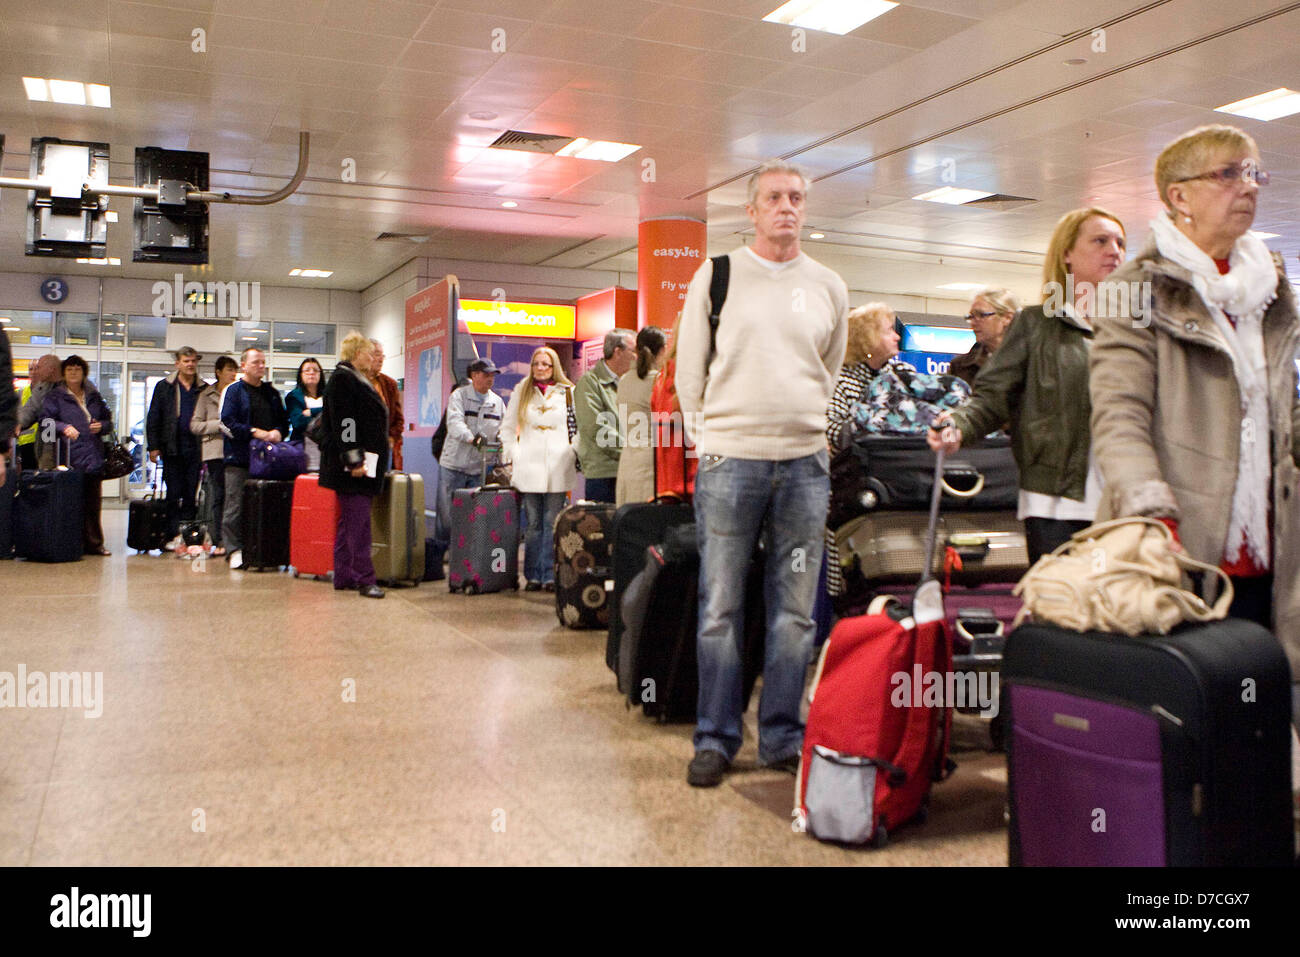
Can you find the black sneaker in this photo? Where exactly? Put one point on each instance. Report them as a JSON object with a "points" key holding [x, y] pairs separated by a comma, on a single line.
{"points": [[533, 586], [706, 769], [789, 765]]}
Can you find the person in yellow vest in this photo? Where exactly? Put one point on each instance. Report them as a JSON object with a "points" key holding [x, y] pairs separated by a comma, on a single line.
{"points": [[44, 375]]}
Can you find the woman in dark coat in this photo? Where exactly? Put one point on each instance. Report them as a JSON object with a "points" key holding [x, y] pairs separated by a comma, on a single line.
{"points": [[82, 418], [356, 423]]}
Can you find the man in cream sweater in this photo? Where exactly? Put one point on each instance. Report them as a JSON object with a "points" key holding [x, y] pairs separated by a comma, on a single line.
{"points": [[755, 404]]}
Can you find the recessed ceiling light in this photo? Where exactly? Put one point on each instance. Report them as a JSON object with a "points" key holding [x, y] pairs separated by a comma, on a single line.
{"points": [[311, 273], [509, 204], [829, 16], [816, 235], [483, 115], [1265, 235], [603, 150], [71, 92], [962, 286], [952, 195], [100, 262], [1076, 61], [1265, 106]]}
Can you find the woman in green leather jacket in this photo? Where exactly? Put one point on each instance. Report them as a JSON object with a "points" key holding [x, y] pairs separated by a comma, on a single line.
{"points": [[1037, 381]]}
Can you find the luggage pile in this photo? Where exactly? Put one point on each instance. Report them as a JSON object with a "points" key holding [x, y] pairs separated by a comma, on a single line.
{"points": [[880, 488]]}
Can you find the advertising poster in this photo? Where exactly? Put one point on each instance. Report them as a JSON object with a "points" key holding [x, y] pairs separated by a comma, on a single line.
{"points": [[668, 253], [428, 357]]}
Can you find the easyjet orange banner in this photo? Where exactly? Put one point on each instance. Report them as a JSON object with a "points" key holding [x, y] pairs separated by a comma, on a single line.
{"points": [[536, 320], [668, 253]]}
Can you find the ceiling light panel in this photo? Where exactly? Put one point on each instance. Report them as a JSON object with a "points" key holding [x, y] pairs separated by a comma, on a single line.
{"points": [[70, 92], [829, 16], [952, 195], [1266, 106]]}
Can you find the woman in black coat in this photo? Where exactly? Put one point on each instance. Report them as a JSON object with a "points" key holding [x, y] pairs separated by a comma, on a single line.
{"points": [[356, 423]]}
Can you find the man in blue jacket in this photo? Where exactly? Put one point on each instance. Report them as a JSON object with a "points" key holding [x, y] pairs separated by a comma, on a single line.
{"points": [[250, 409]]}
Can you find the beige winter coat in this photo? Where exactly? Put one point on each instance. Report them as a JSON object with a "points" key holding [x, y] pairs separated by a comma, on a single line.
{"points": [[1166, 423], [636, 464]]}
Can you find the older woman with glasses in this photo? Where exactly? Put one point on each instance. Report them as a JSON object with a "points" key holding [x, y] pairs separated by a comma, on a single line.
{"points": [[1195, 415], [991, 311]]}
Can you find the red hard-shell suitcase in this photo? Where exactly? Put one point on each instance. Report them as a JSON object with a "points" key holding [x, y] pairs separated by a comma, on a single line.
{"points": [[484, 548], [313, 526]]}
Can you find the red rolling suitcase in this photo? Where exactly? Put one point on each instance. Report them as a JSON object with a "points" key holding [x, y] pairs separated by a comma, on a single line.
{"points": [[877, 731], [312, 527]]}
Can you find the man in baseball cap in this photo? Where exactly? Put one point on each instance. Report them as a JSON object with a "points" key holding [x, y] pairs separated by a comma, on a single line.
{"points": [[474, 414]]}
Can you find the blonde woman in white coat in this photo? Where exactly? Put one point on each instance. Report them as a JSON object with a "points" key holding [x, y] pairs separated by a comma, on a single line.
{"points": [[535, 440]]}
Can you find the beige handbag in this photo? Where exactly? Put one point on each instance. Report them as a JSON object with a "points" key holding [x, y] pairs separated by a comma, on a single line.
{"points": [[1118, 576]]}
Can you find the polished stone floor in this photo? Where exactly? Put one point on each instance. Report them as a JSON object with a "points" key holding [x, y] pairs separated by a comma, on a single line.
{"points": [[254, 718]]}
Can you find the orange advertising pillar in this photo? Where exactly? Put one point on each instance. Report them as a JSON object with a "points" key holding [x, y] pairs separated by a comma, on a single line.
{"points": [[668, 253]]}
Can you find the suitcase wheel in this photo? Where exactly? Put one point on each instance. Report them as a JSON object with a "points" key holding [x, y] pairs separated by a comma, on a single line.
{"points": [[881, 837], [922, 813], [470, 588]]}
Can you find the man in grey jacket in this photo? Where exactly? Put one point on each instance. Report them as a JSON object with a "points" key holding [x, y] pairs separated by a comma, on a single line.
{"points": [[474, 414]]}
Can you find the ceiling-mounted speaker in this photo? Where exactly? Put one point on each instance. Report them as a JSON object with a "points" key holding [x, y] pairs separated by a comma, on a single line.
{"points": [[60, 222], [173, 229]]}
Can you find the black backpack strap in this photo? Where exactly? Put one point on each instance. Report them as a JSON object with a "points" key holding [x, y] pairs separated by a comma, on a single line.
{"points": [[717, 297]]}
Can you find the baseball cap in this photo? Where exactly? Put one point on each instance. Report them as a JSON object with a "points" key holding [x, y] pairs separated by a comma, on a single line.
{"points": [[483, 365]]}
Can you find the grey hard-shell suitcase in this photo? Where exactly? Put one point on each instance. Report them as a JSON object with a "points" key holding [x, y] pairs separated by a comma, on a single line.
{"points": [[397, 530]]}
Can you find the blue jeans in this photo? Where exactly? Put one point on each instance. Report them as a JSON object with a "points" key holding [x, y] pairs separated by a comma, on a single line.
{"points": [[736, 500], [542, 508]]}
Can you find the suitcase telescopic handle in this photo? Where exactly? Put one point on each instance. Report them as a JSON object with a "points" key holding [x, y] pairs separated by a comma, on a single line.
{"points": [[936, 493]]}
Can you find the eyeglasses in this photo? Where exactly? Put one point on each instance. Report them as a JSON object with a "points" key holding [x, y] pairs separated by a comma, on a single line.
{"points": [[978, 315], [1233, 174]]}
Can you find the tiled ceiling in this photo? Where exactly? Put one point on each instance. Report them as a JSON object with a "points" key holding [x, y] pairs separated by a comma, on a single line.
{"points": [[934, 92]]}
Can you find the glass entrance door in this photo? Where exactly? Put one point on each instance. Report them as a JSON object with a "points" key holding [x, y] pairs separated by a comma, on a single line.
{"points": [[141, 378]]}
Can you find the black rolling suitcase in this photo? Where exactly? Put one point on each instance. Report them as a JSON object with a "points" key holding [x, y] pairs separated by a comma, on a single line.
{"points": [[8, 488], [49, 515], [582, 557], [146, 519], [658, 666], [636, 528], [1168, 750], [267, 515]]}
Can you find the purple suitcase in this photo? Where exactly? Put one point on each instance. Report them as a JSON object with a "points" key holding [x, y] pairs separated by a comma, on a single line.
{"points": [[1162, 750], [484, 548]]}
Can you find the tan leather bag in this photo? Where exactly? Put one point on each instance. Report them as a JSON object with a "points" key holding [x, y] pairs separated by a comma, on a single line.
{"points": [[1118, 576]]}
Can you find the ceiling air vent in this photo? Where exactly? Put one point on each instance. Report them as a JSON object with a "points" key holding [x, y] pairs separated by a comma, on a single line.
{"points": [[408, 237], [530, 142], [1001, 201]]}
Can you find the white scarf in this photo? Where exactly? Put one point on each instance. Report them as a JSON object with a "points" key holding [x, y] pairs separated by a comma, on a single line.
{"points": [[1245, 292]]}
